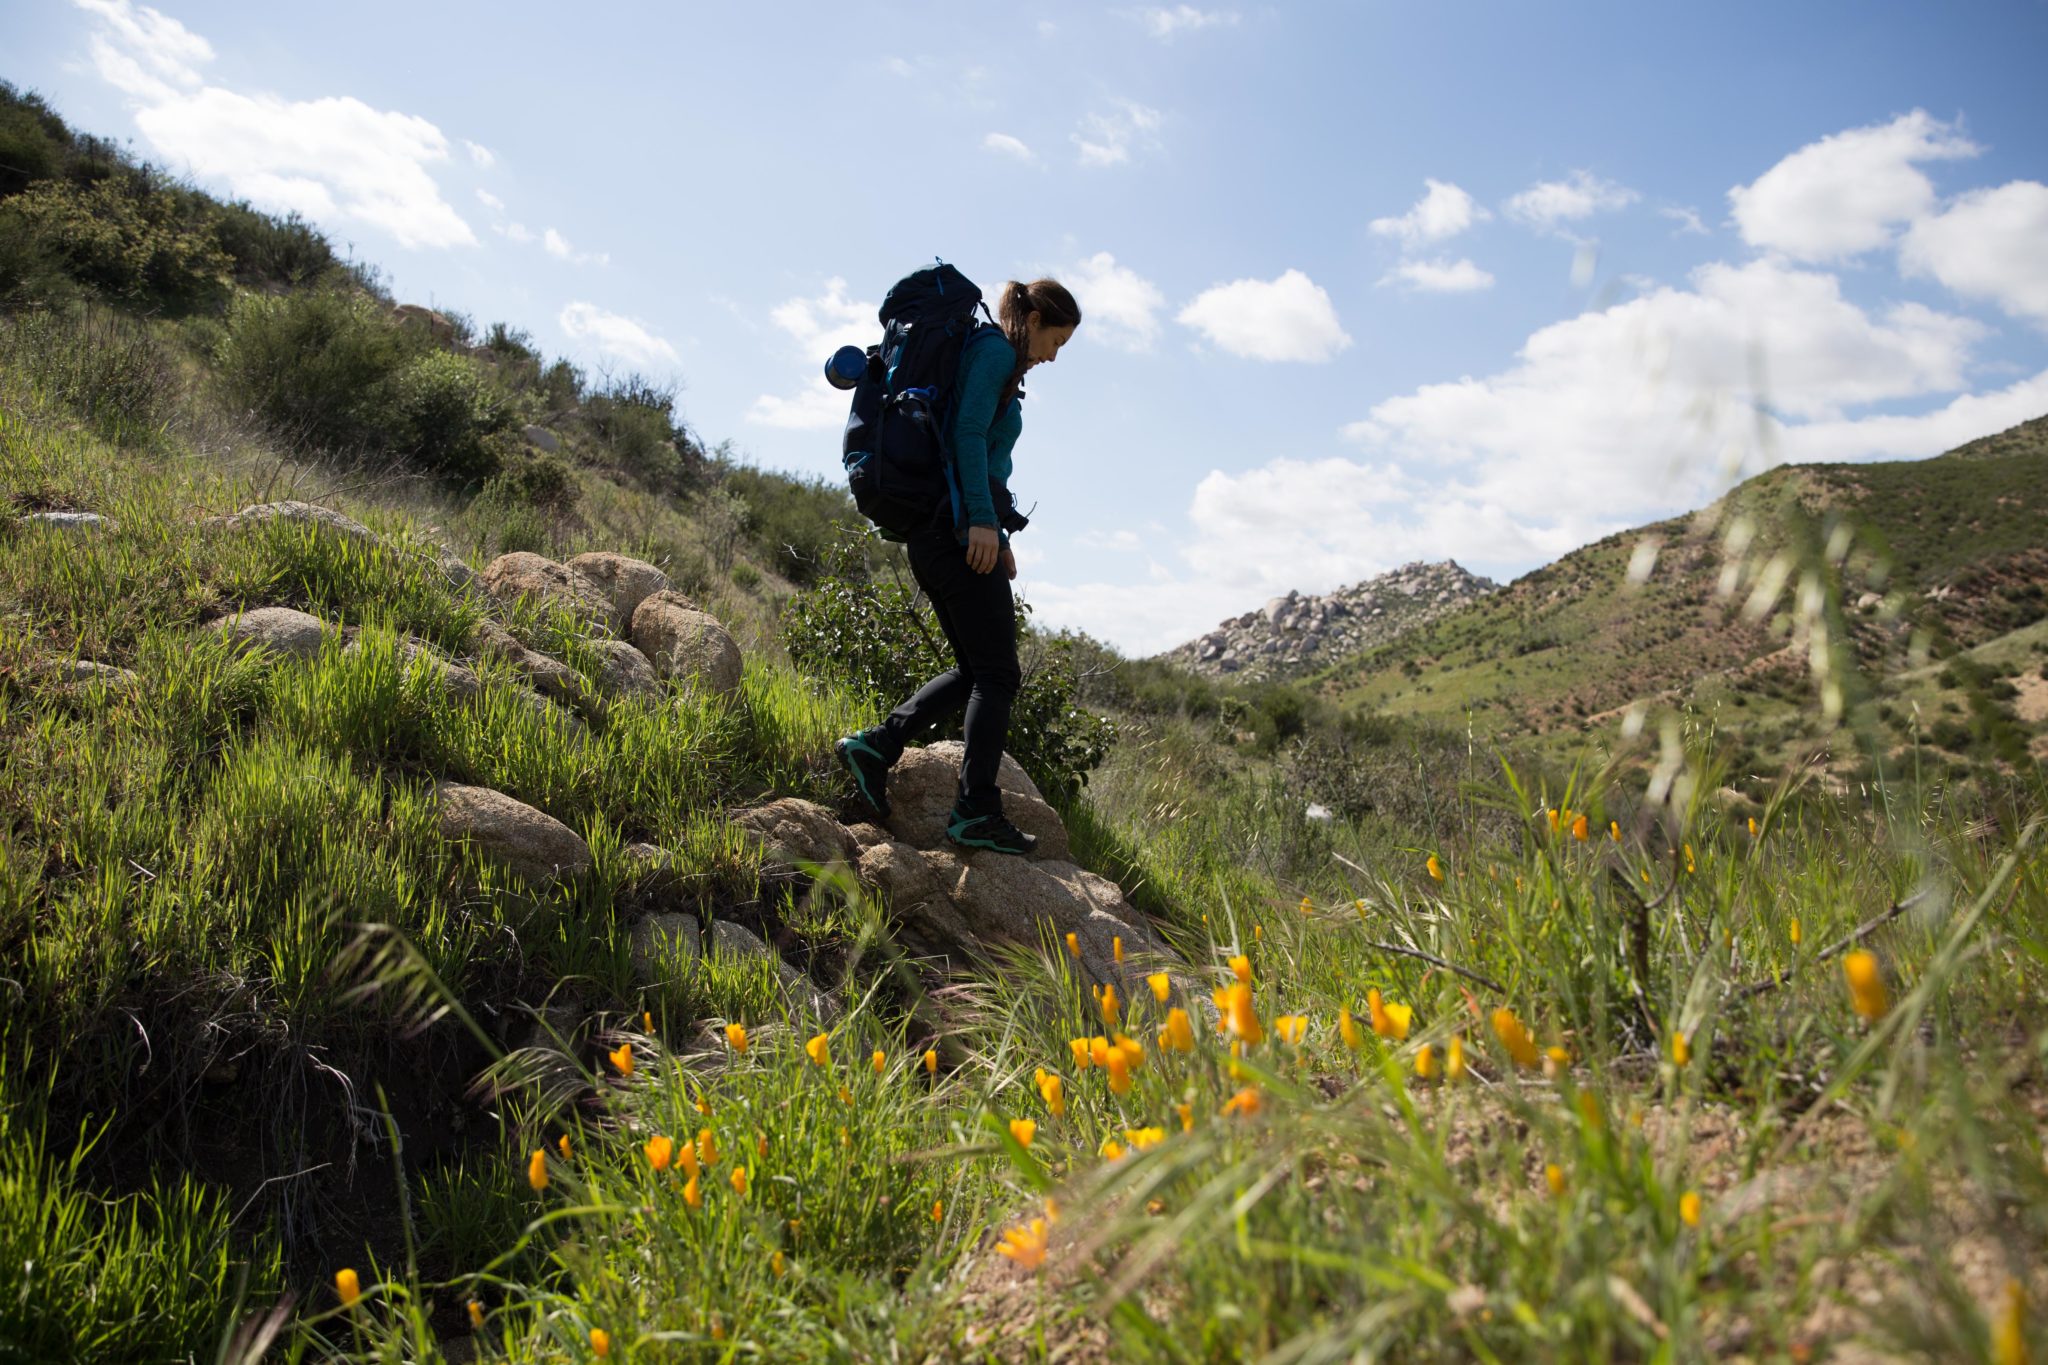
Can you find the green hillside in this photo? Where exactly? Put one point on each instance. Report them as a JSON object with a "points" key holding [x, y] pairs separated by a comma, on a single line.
{"points": [[1954, 549]]}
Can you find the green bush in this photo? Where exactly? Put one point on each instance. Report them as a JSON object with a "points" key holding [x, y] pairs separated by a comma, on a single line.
{"points": [[33, 141], [128, 241], [634, 418], [792, 522], [308, 362], [442, 412], [103, 366], [881, 639], [521, 506], [270, 250]]}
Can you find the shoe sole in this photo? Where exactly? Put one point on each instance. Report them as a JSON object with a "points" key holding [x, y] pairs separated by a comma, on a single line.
{"points": [[844, 750], [989, 845]]}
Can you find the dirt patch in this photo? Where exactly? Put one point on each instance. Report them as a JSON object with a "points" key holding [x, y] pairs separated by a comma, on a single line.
{"points": [[2031, 705]]}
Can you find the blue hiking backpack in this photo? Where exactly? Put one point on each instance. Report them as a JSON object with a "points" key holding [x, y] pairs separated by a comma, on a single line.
{"points": [[898, 446]]}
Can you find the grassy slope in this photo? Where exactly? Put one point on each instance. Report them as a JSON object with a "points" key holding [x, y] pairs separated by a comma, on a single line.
{"points": [[1574, 641]]}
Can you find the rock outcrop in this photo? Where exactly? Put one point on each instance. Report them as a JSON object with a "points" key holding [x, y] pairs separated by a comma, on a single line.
{"points": [[297, 513], [1294, 635], [550, 677], [624, 581], [68, 521], [627, 673], [523, 574], [683, 642], [531, 842], [283, 630]]}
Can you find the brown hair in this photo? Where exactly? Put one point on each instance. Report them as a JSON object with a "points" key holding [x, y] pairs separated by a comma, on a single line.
{"points": [[1055, 308]]}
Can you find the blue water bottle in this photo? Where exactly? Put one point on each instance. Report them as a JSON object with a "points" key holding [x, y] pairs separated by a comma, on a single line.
{"points": [[846, 367]]}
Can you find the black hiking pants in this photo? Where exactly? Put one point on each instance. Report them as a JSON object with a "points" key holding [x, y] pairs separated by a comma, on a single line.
{"points": [[975, 612]]}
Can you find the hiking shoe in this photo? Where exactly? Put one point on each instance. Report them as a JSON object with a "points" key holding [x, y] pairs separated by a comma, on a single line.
{"points": [[989, 831], [870, 771]]}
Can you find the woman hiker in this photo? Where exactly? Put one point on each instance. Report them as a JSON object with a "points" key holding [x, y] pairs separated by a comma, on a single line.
{"points": [[967, 576]]}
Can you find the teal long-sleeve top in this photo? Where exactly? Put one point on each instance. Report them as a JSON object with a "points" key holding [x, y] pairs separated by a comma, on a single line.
{"points": [[982, 437]]}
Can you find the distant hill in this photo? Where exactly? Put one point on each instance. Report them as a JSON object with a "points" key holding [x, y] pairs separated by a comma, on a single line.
{"points": [[1963, 536], [1295, 635]]}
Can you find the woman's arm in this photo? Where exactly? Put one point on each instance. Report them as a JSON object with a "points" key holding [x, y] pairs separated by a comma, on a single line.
{"points": [[983, 371]]}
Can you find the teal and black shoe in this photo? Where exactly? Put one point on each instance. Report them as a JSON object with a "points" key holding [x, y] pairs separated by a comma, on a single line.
{"points": [[870, 771], [993, 832]]}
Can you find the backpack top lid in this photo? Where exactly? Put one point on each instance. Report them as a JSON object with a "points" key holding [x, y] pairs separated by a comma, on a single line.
{"points": [[937, 291]]}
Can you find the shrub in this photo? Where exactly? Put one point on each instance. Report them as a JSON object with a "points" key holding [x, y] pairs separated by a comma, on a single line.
{"points": [[442, 412], [880, 639], [271, 250], [635, 420], [520, 507], [101, 365], [315, 364], [793, 522], [32, 141], [129, 241]]}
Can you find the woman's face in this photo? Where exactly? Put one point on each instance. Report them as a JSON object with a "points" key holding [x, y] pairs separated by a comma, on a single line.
{"points": [[1042, 343]]}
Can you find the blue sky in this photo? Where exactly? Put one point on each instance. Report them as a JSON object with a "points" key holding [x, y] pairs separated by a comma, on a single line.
{"points": [[1365, 282]]}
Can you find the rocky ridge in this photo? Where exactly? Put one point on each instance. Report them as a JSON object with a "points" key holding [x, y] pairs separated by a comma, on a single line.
{"points": [[1297, 634]]}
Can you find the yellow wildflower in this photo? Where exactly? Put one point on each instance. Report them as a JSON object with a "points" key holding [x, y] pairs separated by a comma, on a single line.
{"points": [[660, 1152], [1681, 1049], [1074, 945], [1161, 985], [1425, 1061], [1258, 932], [1796, 935], [1023, 1130], [1590, 1111], [1555, 1059], [1553, 817], [1553, 1176], [600, 1342], [1082, 1058], [1241, 1017], [1119, 1066], [647, 1020], [1144, 1138], [707, 1147], [1246, 1102], [537, 1168], [1241, 968], [1111, 1011], [761, 1145], [1434, 867], [476, 1315], [348, 1286], [736, 1037], [1186, 1113], [1025, 1245], [879, 1061], [1054, 1092], [1389, 1021], [1866, 984], [739, 1180], [1052, 1209], [686, 1156], [1292, 1028], [1349, 1031], [1112, 1149], [1454, 1063], [1116, 948], [1179, 1035], [704, 1103], [1515, 1038], [1098, 1050], [1688, 859], [623, 1059], [693, 1195], [1133, 1050], [1308, 907], [562, 1145], [845, 1096], [1614, 830], [1752, 827], [931, 1061], [775, 1263], [1579, 829], [819, 1050], [2009, 1329], [938, 1210], [1689, 1208]]}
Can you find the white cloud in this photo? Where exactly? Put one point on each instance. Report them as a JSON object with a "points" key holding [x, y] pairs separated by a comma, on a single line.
{"points": [[1290, 318], [1165, 23], [335, 160], [897, 66], [1123, 539], [481, 155], [1989, 244], [1107, 138], [1844, 195], [1440, 277], [1118, 305], [517, 232], [616, 336], [1443, 211], [558, 246], [1008, 146], [490, 201], [1688, 220], [1547, 203], [816, 327]]}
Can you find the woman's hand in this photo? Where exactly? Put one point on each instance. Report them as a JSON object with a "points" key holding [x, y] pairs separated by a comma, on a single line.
{"points": [[1009, 562], [983, 546]]}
